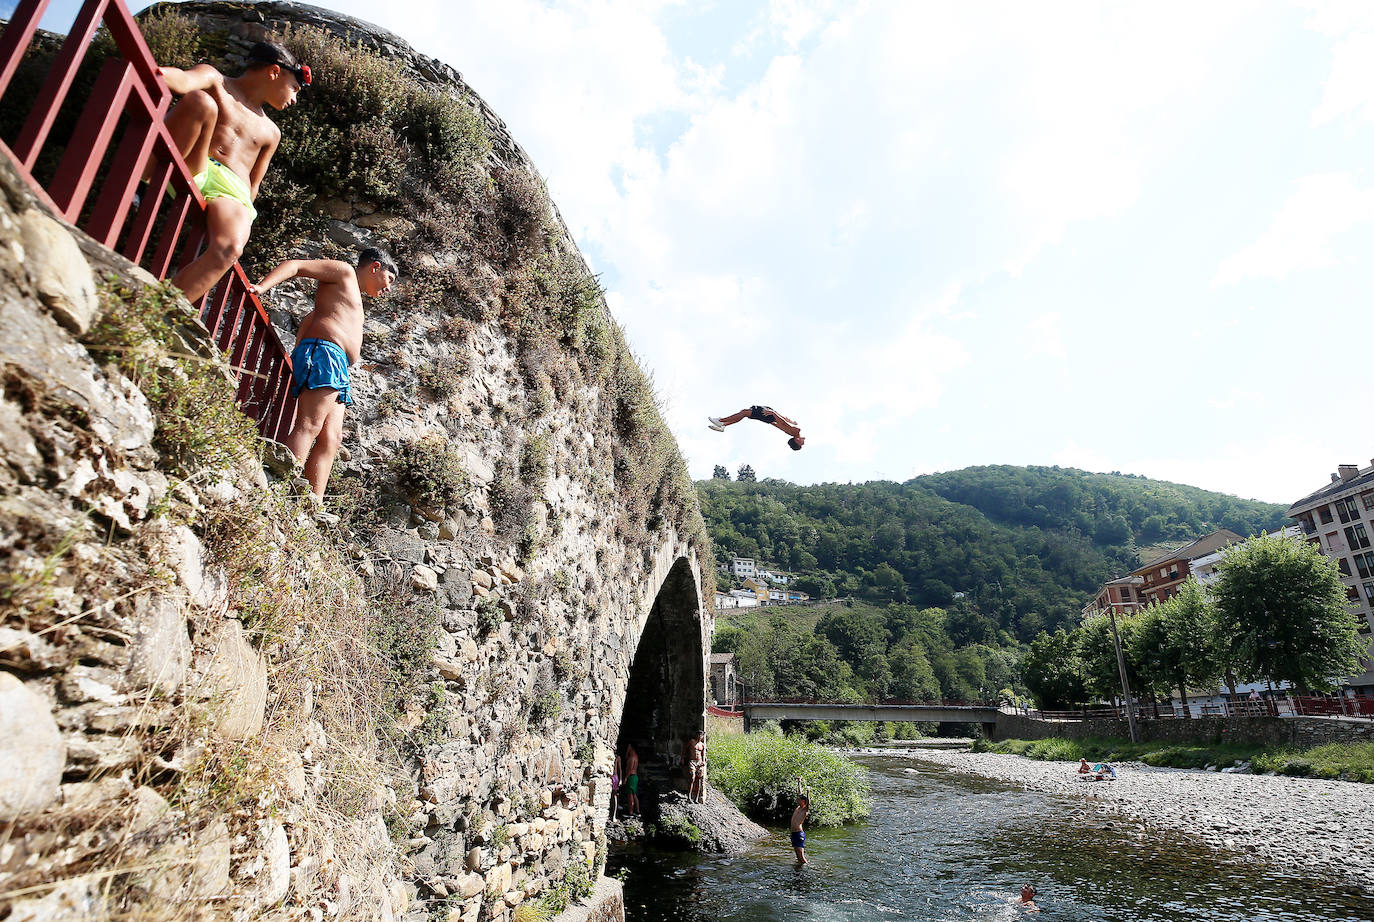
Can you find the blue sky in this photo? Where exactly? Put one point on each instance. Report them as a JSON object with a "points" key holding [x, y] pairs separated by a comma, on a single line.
{"points": [[1114, 236]]}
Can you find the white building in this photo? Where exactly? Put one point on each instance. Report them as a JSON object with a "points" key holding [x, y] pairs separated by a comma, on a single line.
{"points": [[730, 600], [742, 567]]}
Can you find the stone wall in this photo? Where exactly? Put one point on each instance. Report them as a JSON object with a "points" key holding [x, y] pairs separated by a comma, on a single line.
{"points": [[1265, 731], [202, 690]]}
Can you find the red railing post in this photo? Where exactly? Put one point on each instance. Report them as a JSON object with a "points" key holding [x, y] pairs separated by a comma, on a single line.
{"points": [[54, 91]]}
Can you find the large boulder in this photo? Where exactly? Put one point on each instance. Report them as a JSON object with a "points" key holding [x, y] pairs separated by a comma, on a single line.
{"points": [[234, 685], [32, 752], [59, 270], [161, 650], [718, 824]]}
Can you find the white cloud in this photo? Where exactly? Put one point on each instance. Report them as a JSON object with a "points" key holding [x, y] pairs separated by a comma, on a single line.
{"points": [[1275, 469], [844, 209], [1321, 208], [1044, 336], [1349, 88]]}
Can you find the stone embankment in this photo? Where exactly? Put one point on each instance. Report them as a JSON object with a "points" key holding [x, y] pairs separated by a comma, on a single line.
{"points": [[1305, 823]]}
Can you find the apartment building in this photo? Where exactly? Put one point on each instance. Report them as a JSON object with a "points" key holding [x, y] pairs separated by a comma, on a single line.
{"points": [[1204, 568], [1122, 596], [742, 567], [1161, 577], [1339, 519]]}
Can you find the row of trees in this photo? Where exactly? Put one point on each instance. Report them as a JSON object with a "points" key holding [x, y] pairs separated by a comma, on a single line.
{"points": [[1278, 611], [858, 652]]}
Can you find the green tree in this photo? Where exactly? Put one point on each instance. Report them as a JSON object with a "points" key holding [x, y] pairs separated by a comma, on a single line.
{"points": [[912, 677], [746, 474], [720, 473], [1188, 645], [1282, 614], [1149, 659], [1052, 670], [1097, 653]]}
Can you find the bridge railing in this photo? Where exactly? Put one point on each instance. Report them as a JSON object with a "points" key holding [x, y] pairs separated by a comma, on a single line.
{"points": [[84, 158], [871, 702], [1284, 706]]}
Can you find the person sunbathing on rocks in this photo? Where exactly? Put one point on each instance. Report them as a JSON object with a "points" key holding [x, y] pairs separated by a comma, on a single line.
{"points": [[764, 415], [328, 341]]}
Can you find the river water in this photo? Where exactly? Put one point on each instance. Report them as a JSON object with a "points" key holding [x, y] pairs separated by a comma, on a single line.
{"points": [[943, 846]]}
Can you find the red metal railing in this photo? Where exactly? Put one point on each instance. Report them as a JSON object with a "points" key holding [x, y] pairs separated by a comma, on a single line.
{"points": [[1281, 706], [118, 129], [868, 702]]}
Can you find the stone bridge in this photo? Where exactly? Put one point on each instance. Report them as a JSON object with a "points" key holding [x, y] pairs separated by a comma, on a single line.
{"points": [[661, 698], [508, 630]]}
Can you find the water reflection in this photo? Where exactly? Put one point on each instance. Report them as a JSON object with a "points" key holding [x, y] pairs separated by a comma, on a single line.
{"points": [[950, 848]]}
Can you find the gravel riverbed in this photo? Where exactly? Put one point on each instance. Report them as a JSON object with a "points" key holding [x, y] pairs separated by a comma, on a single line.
{"points": [[1320, 827]]}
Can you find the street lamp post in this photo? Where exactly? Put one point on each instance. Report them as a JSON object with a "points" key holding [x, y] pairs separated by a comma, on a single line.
{"points": [[1125, 685]]}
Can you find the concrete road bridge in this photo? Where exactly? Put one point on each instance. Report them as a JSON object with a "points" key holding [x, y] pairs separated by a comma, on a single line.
{"points": [[913, 712]]}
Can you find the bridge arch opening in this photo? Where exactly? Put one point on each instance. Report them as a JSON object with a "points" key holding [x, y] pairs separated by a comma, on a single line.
{"points": [[665, 697]]}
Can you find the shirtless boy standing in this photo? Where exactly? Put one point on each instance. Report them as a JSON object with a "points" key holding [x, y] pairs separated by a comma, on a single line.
{"points": [[631, 780], [694, 754], [799, 816], [227, 140], [328, 341]]}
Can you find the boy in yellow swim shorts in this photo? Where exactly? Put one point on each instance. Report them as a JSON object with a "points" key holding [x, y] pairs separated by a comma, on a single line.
{"points": [[224, 135]]}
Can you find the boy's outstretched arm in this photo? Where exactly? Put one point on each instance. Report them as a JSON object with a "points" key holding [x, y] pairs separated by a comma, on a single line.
{"points": [[200, 77], [322, 270]]}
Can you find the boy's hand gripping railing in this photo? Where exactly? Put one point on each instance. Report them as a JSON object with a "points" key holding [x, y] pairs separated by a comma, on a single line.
{"points": [[94, 188]]}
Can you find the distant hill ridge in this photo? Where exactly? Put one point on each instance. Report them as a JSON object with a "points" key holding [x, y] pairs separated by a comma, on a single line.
{"points": [[1025, 545]]}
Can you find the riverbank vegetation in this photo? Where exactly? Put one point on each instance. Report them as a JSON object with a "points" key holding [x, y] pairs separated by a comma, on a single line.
{"points": [[857, 651], [758, 772], [945, 578], [1204, 636], [1339, 761], [1023, 547]]}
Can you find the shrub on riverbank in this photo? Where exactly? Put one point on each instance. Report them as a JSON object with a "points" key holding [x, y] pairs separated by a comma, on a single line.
{"points": [[1170, 755], [759, 771], [1345, 761]]}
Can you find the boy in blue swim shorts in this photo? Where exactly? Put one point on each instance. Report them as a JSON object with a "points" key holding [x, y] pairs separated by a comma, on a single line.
{"points": [[799, 816], [328, 342]]}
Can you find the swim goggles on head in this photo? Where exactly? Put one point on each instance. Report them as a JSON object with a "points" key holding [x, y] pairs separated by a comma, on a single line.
{"points": [[302, 74]]}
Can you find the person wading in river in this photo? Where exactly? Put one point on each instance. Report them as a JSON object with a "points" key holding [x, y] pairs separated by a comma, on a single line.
{"points": [[799, 816]]}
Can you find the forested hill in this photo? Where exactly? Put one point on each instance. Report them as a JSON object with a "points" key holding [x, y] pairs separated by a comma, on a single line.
{"points": [[1026, 545]]}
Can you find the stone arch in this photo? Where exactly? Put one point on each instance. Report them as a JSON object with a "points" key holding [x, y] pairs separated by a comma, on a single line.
{"points": [[665, 690]]}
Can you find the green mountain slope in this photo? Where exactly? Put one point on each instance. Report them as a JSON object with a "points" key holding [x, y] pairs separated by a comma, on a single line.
{"points": [[1026, 546]]}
